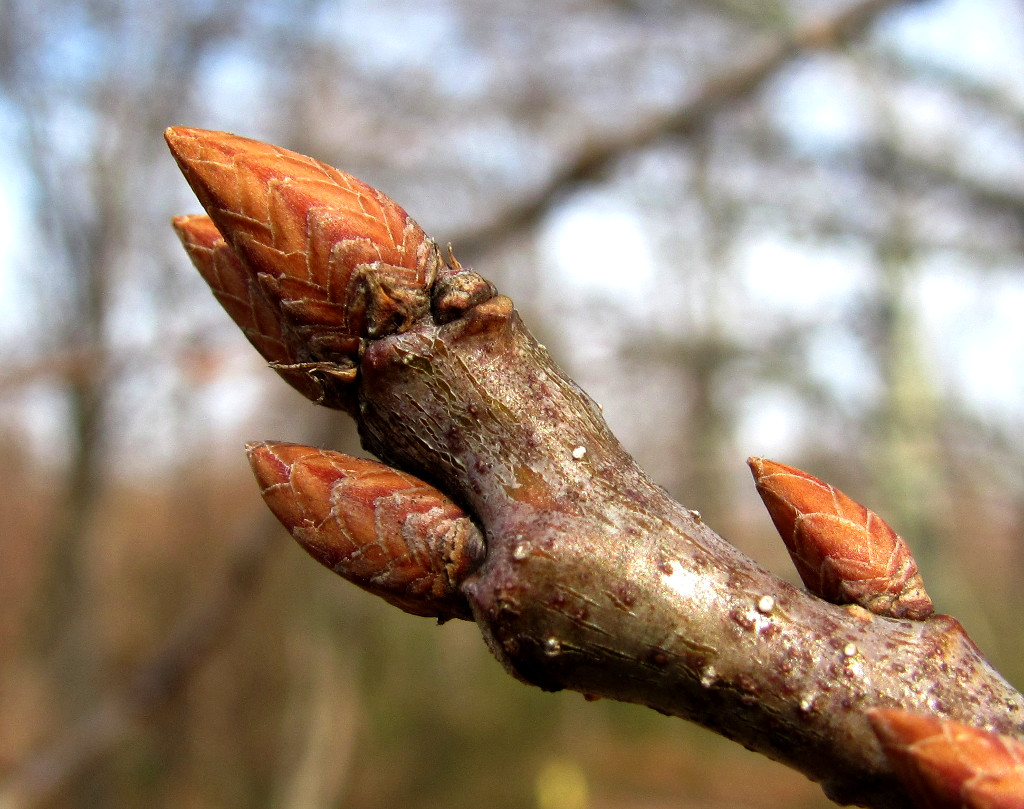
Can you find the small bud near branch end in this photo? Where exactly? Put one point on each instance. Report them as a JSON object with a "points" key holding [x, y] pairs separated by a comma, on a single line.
{"points": [[386, 531], [312, 263], [308, 260], [949, 765], [843, 552]]}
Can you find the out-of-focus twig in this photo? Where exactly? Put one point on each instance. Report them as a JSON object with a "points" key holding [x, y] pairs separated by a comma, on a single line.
{"points": [[885, 162], [152, 684], [729, 86], [73, 365]]}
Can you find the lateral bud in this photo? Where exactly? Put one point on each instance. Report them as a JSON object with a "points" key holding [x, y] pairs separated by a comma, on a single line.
{"points": [[387, 532], [946, 764], [458, 290], [843, 552], [237, 290]]}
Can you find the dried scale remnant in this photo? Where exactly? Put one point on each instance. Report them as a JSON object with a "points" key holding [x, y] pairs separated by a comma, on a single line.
{"points": [[843, 552], [388, 532], [331, 258], [949, 765]]}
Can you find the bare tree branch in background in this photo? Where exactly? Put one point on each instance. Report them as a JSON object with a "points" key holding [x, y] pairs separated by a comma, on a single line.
{"points": [[728, 87]]}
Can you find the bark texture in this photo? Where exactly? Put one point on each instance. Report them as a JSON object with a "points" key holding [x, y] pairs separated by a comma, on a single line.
{"points": [[596, 580], [591, 578]]}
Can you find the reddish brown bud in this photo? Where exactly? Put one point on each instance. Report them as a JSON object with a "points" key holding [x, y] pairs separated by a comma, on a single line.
{"points": [[388, 532], [948, 765], [333, 259], [843, 552], [237, 291]]}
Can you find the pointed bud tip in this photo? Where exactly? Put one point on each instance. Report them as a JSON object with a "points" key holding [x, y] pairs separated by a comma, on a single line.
{"points": [[272, 461], [256, 446], [893, 725], [312, 469], [762, 467], [176, 136], [171, 134], [195, 149], [197, 229]]}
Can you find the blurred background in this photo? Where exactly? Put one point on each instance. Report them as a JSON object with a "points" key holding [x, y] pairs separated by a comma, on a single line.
{"points": [[790, 228]]}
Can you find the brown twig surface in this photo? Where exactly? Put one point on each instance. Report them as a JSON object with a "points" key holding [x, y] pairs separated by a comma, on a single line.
{"points": [[592, 579], [595, 580]]}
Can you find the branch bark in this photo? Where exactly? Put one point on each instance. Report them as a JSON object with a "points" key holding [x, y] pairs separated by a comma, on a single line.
{"points": [[595, 580], [592, 578]]}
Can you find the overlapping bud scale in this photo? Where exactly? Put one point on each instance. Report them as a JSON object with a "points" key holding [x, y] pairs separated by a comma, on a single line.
{"points": [[310, 261], [386, 531], [949, 765], [843, 552]]}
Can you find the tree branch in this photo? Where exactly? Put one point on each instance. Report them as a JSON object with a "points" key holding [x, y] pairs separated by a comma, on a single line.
{"points": [[595, 580], [591, 578]]}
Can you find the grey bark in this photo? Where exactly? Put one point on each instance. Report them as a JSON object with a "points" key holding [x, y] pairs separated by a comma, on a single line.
{"points": [[595, 580]]}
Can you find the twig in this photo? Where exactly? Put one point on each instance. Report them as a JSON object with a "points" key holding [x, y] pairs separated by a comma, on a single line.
{"points": [[596, 581], [721, 91], [593, 579]]}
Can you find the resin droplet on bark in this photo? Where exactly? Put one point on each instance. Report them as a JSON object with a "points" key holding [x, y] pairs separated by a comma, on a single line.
{"points": [[948, 764], [843, 552], [386, 531], [333, 259]]}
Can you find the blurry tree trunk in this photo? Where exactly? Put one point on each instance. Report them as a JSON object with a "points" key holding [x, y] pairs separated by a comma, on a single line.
{"points": [[905, 463], [85, 240]]}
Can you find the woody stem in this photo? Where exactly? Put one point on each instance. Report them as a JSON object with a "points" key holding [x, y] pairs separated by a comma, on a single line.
{"points": [[595, 580]]}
